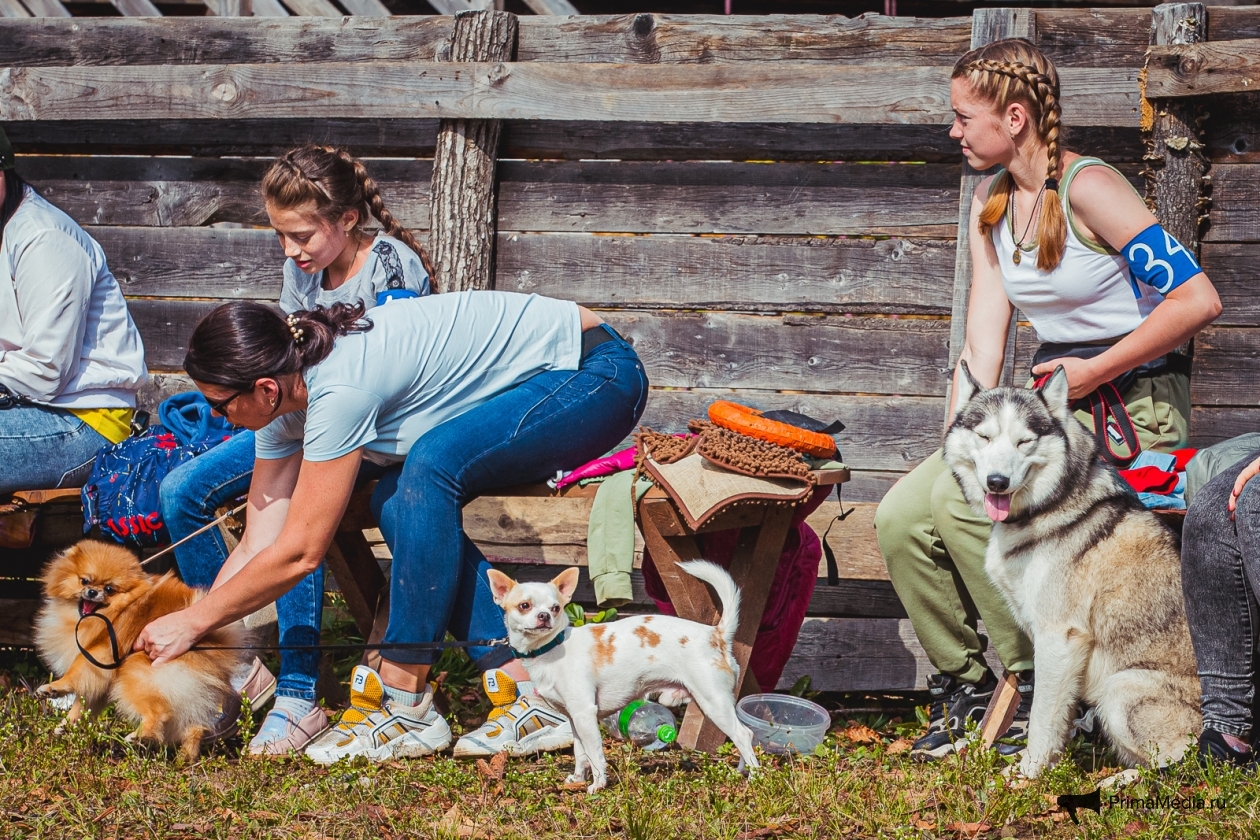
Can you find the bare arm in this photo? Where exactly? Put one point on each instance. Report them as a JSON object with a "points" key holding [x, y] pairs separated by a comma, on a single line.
{"points": [[303, 512], [988, 309], [1108, 210]]}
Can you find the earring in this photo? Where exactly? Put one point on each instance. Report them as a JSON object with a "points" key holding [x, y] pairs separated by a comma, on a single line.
{"points": [[273, 403]]}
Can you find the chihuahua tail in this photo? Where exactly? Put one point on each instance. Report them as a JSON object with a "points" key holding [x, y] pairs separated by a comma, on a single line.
{"points": [[727, 592]]}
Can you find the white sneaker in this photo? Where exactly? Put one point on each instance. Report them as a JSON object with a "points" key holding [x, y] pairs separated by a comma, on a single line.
{"points": [[379, 730], [518, 725]]}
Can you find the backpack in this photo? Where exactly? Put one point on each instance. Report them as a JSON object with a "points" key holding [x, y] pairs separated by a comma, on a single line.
{"points": [[121, 495]]}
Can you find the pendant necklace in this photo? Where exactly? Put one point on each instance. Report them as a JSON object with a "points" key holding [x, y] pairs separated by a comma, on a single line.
{"points": [[1019, 245]]}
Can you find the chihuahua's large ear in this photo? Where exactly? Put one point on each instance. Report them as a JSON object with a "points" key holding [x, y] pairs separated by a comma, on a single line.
{"points": [[1055, 393], [567, 582], [500, 585]]}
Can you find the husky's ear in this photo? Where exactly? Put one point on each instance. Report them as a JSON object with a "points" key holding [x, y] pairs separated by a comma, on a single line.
{"points": [[968, 387], [1055, 392]]}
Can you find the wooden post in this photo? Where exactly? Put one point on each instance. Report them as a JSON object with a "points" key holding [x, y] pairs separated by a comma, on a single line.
{"points": [[987, 26], [1177, 167], [463, 206]]}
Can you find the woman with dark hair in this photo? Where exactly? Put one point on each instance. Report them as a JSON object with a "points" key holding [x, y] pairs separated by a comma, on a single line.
{"points": [[468, 392], [71, 359], [318, 199]]}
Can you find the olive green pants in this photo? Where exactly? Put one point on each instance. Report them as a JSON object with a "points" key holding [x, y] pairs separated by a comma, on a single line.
{"points": [[934, 544]]}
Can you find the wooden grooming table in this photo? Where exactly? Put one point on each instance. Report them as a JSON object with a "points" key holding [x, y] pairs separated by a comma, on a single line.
{"points": [[764, 528]]}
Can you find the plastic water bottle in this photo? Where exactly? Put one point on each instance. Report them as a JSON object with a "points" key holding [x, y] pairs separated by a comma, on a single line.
{"points": [[648, 725]]}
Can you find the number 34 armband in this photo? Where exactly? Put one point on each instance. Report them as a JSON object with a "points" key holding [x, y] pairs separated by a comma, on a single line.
{"points": [[1157, 259]]}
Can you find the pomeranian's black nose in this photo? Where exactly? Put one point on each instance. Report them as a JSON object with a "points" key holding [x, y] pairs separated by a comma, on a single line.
{"points": [[94, 593], [998, 483]]}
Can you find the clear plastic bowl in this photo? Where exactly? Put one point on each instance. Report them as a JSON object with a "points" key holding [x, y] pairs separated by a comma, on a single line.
{"points": [[781, 723]]}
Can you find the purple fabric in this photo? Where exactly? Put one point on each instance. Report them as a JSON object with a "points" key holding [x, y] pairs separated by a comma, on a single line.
{"points": [[793, 585]]}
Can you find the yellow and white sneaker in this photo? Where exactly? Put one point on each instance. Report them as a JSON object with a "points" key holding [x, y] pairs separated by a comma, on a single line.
{"points": [[379, 730], [518, 724]]}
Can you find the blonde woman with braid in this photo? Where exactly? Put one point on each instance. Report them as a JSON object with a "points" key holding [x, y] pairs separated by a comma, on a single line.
{"points": [[318, 199], [1067, 241]]}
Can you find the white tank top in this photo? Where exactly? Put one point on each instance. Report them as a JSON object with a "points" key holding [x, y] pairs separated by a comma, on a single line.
{"points": [[1089, 297]]}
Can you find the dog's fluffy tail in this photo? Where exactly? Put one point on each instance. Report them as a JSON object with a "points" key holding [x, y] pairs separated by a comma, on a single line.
{"points": [[727, 592]]}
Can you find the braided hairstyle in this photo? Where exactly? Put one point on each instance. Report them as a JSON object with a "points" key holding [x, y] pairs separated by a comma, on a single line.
{"points": [[1009, 71], [335, 181]]}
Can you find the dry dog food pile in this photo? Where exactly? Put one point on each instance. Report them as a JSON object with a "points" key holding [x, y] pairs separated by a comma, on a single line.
{"points": [[743, 454]]}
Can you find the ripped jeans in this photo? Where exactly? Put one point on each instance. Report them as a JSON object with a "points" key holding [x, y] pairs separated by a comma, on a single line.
{"points": [[552, 421], [43, 448]]}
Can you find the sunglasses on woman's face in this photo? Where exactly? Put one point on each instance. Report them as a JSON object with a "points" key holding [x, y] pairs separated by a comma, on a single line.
{"points": [[220, 407]]}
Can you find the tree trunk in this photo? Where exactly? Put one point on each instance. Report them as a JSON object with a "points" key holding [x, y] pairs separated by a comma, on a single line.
{"points": [[463, 206], [1177, 166]]}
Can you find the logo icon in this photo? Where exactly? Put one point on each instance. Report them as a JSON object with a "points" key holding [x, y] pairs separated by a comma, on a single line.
{"points": [[1071, 801]]}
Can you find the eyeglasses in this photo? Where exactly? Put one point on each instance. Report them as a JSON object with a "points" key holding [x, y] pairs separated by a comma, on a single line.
{"points": [[220, 407]]}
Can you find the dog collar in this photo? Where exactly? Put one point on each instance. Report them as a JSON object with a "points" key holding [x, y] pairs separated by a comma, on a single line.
{"points": [[550, 646]]}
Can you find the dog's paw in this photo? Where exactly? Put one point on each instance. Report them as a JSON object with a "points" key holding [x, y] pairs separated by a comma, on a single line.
{"points": [[1030, 767], [598, 784], [52, 690], [575, 779]]}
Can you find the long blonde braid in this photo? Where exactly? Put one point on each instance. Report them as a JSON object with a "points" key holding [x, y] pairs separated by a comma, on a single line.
{"points": [[1014, 70]]}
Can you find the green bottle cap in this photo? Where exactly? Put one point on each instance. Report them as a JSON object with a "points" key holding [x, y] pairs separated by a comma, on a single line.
{"points": [[623, 719], [667, 734]]}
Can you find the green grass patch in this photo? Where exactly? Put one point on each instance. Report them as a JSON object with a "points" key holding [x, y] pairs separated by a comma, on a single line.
{"points": [[91, 784]]}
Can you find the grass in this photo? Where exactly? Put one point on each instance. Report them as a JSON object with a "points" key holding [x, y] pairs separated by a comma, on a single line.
{"points": [[860, 783]]}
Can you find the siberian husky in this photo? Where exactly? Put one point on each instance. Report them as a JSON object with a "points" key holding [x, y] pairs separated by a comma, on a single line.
{"points": [[1090, 575]]}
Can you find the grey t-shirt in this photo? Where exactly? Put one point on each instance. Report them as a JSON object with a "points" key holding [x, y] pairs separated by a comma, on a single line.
{"points": [[424, 361], [390, 265]]}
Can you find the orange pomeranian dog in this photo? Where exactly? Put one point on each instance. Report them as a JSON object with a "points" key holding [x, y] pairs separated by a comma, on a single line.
{"points": [[175, 703]]}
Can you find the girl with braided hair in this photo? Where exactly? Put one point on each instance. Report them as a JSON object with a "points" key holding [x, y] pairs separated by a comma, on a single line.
{"points": [[318, 199], [1068, 242]]}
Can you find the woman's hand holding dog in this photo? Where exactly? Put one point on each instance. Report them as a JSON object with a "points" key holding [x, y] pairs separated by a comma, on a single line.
{"points": [[1246, 475], [167, 637]]}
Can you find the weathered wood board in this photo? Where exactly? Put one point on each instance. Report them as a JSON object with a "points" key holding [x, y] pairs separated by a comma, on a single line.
{"points": [[766, 92], [851, 654]]}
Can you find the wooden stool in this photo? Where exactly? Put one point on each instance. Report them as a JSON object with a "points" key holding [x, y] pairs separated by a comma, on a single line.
{"points": [[764, 528]]}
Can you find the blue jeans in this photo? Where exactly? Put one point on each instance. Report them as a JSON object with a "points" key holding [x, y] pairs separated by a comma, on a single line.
{"points": [[190, 495], [44, 448], [555, 420]]}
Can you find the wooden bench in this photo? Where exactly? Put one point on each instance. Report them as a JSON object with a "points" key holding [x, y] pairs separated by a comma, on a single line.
{"points": [[727, 230]]}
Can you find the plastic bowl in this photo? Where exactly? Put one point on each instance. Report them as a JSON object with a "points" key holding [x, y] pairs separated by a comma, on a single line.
{"points": [[781, 723]]}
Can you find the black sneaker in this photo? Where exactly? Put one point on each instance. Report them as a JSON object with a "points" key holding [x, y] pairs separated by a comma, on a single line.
{"points": [[953, 704], [1213, 747], [1014, 740]]}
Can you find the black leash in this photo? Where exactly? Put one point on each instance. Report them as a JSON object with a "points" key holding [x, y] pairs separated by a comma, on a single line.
{"points": [[118, 656]]}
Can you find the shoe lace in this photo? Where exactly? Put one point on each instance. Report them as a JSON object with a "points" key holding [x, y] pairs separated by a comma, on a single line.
{"points": [[354, 717]]}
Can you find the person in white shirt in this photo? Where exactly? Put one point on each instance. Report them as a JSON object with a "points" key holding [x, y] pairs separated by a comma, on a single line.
{"points": [[71, 358], [468, 392], [1068, 242]]}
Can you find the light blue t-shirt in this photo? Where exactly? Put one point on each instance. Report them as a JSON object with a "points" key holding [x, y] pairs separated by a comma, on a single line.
{"points": [[390, 266], [424, 361]]}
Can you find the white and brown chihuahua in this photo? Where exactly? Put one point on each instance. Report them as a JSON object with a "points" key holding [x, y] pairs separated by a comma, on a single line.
{"points": [[596, 669]]}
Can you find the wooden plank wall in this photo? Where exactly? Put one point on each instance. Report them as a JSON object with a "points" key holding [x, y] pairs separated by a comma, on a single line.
{"points": [[1227, 355], [802, 266]]}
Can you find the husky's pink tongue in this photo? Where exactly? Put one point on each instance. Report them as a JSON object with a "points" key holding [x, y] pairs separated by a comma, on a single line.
{"points": [[997, 505]]}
